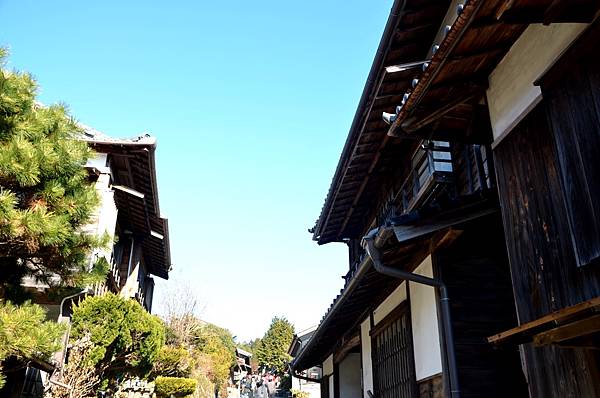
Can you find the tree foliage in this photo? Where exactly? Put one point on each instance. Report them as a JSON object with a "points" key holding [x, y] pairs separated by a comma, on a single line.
{"points": [[174, 386], [272, 350], [45, 195], [211, 347], [217, 347], [25, 333], [126, 339]]}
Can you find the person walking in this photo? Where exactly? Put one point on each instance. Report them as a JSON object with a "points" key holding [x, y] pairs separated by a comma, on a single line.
{"points": [[271, 388]]}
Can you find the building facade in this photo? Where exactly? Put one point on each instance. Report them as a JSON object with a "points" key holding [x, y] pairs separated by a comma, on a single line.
{"points": [[307, 382], [124, 174], [467, 193]]}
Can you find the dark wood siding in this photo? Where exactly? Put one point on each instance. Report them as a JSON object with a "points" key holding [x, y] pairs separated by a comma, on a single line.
{"points": [[544, 270], [431, 387], [475, 269], [572, 95]]}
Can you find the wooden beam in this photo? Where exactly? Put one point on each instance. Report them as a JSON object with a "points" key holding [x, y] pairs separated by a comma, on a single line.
{"points": [[498, 47], [556, 8], [345, 346], [569, 331], [460, 84], [444, 239], [413, 124], [546, 321], [507, 5], [554, 11]]}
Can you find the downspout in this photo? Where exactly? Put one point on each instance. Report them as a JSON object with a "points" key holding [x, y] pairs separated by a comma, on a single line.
{"points": [[68, 332], [375, 254], [130, 257]]}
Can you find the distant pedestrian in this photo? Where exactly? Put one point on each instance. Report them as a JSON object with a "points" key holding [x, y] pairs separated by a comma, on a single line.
{"points": [[271, 388]]}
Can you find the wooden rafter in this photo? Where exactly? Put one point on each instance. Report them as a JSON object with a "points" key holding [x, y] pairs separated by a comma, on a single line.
{"points": [[413, 124]]}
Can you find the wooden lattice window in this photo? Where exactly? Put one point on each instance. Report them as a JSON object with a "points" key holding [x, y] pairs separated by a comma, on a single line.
{"points": [[393, 360]]}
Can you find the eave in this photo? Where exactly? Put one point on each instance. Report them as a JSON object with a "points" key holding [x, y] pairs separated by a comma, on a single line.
{"points": [[411, 243], [456, 78], [410, 28], [133, 167]]}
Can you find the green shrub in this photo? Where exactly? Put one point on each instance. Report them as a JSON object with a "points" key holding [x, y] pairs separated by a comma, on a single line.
{"points": [[174, 386], [173, 361], [125, 338]]}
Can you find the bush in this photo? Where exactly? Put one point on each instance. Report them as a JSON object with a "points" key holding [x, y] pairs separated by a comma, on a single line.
{"points": [[215, 346], [300, 394], [125, 338], [174, 386], [173, 361]]}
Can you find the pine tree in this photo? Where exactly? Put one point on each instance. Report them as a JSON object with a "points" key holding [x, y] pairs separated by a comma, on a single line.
{"points": [[272, 352], [45, 195], [25, 334]]}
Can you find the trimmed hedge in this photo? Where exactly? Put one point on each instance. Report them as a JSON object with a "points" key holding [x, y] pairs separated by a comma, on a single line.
{"points": [[174, 386]]}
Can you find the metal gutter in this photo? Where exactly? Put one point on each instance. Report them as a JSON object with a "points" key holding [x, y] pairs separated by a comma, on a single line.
{"points": [[373, 252], [367, 95]]}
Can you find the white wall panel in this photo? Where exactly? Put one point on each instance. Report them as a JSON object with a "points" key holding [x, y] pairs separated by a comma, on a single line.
{"points": [[511, 93], [367, 362], [423, 310]]}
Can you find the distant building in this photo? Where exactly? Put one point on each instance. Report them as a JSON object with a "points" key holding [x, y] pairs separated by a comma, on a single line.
{"points": [[311, 387], [242, 365]]}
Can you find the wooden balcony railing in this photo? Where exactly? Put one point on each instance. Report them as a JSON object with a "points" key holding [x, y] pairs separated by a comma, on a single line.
{"points": [[431, 167], [433, 171]]}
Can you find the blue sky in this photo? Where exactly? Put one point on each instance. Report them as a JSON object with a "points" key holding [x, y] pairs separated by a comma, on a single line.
{"points": [[251, 102]]}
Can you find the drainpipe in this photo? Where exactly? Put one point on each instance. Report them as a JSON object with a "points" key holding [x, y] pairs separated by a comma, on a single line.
{"points": [[87, 290], [130, 258], [375, 254]]}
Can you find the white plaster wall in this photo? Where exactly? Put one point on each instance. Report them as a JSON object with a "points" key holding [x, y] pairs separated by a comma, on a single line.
{"points": [[107, 212], [511, 93], [295, 383], [367, 360], [104, 219], [328, 366], [426, 339], [132, 284], [313, 389], [331, 387], [99, 162], [390, 303], [350, 374]]}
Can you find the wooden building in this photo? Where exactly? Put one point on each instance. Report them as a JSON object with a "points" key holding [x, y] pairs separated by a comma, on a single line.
{"points": [[124, 174], [308, 383], [469, 197]]}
